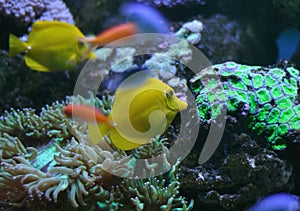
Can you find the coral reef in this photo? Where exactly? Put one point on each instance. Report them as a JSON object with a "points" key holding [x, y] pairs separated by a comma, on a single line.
{"points": [[239, 173], [114, 63], [230, 40], [262, 106], [232, 33], [24, 12], [45, 160], [56, 10], [191, 31], [160, 59], [264, 99]]}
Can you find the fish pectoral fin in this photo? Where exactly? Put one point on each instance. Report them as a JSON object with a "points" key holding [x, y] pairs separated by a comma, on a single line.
{"points": [[124, 143], [34, 65], [16, 46]]}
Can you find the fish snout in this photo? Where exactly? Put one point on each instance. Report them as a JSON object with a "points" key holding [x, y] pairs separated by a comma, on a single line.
{"points": [[180, 100], [181, 105]]}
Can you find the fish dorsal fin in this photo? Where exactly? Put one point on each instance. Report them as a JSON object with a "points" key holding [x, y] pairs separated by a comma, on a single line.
{"points": [[61, 32], [34, 65], [40, 25], [16, 46]]}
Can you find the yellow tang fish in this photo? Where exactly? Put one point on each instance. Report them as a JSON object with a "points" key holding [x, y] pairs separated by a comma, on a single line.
{"points": [[51, 46], [138, 114]]}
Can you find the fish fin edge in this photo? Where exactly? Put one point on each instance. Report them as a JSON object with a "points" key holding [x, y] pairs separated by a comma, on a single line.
{"points": [[34, 65]]}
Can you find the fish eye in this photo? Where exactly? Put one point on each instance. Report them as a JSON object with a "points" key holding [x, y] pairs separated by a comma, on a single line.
{"points": [[80, 43], [171, 93]]}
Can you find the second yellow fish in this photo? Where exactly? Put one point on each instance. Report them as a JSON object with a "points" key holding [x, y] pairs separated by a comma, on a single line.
{"points": [[51, 46], [138, 114]]}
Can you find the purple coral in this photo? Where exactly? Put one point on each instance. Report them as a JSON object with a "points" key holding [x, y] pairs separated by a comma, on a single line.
{"points": [[24, 12], [17, 16], [56, 10]]}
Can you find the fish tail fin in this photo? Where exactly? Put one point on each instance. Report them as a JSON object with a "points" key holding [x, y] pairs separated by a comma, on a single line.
{"points": [[16, 46]]}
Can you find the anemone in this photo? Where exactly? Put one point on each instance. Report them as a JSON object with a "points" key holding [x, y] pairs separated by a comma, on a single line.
{"points": [[46, 160]]}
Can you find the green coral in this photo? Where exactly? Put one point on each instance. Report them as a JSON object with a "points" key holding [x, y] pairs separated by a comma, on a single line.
{"points": [[45, 161], [265, 98]]}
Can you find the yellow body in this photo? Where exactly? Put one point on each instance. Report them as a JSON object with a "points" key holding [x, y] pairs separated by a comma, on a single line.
{"points": [[138, 114], [51, 46]]}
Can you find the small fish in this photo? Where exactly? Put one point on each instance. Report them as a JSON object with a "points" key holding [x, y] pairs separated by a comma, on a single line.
{"points": [[287, 42], [51, 46], [110, 35], [138, 114], [86, 113], [278, 202]]}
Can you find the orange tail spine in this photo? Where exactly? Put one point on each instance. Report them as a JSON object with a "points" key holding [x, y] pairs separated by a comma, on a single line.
{"points": [[87, 113]]}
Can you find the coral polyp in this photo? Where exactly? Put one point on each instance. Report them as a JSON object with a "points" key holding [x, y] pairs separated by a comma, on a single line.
{"points": [[265, 98]]}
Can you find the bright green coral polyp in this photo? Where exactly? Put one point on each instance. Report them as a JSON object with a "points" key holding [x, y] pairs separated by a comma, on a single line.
{"points": [[264, 99], [276, 92], [273, 116], [258, 81], [263, 96], [270, 81], [295, 123], [284, 103], [286, 116]]}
